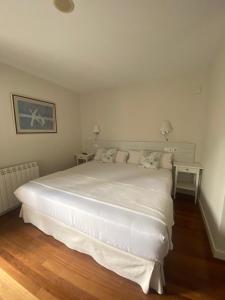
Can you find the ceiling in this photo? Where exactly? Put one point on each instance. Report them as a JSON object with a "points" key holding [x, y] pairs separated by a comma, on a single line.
{"points": [[110, 43]]}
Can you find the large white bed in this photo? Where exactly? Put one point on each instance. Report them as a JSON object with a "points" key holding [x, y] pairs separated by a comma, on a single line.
{"points": [[120, 214]]}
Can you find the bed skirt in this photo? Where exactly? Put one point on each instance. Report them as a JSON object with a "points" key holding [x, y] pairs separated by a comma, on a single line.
{"points": [[148, 274]]}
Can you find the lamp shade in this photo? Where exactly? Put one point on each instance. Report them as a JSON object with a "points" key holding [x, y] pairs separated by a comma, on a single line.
{"points": [[96, 129], [166, 127]]}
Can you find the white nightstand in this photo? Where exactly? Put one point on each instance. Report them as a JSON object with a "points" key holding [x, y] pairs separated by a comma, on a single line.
{"points": [[83, 158], [190, 168]]}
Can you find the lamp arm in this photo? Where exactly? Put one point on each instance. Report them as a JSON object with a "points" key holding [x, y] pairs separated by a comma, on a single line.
{"points": [[95, 139]]}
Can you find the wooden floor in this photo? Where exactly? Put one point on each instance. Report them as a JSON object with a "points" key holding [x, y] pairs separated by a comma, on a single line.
{"points": [[35, 266]]}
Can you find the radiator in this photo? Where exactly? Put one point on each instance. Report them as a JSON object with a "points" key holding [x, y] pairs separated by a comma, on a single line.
{"points": [[10, 179]]}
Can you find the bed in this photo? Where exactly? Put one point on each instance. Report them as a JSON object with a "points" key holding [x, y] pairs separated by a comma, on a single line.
{"points": [[120, 214]]}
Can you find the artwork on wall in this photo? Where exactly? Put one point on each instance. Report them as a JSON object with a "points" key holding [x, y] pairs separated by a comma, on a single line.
{"points": [[34, 116]]}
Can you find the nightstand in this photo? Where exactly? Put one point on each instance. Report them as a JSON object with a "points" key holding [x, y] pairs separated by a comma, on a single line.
{"points": [[191, 168], [81, 158]]}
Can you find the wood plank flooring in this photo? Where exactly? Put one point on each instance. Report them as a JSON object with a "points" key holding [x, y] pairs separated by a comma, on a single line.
{"points": [[35, 266]]}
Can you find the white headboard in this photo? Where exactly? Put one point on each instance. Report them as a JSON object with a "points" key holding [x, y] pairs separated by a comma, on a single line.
{"points": [[183, 151]]}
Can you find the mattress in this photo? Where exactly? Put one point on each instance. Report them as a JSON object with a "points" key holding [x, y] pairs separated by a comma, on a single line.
{"points": [[109, 202]]}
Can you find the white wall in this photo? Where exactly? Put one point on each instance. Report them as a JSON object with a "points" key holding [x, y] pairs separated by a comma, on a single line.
{"points": [[52, 151], [135, 112], [213, 183]]}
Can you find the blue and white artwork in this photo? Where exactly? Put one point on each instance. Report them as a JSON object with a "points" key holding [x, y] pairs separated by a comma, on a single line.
{"points": [[34, 116]]}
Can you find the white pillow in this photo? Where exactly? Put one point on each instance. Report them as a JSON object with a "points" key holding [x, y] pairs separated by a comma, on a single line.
{"points": [[134, 156], [151, 160], [99, 153], [166, 160], [109, 155], [121, 157]]}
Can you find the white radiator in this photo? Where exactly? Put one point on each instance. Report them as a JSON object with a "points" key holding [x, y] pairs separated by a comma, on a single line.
{"points": [[10, 179]]}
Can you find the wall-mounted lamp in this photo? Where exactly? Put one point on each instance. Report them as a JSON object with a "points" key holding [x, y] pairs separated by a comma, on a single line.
{"points": [[96, 131], [166, 128]]}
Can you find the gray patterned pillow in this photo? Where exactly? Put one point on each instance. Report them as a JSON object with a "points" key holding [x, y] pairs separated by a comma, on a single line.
{"points": [[151, 160], [109, 155]]}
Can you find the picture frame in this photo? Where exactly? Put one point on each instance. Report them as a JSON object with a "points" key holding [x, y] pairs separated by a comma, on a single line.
{"points": [[33, 115]]}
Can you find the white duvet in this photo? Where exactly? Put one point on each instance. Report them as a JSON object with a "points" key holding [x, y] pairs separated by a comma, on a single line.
{"points": [[123, 205]]}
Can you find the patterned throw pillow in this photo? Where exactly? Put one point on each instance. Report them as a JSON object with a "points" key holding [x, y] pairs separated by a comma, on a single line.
{"points": [[151, 160], [109, 155], [144, 154]]}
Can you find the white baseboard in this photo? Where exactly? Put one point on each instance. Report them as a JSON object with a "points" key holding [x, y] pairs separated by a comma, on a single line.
{"points": [[217, 253], [10, 209]]}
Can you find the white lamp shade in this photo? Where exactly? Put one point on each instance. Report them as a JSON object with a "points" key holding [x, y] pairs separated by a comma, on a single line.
{"points": [[96, 129], [166, 127]]}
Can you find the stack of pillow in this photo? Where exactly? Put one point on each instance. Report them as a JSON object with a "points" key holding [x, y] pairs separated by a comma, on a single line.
{"points": [[145, 158]]}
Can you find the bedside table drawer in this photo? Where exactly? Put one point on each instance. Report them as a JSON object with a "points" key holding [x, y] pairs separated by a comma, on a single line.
{"points": [[187, 169]]}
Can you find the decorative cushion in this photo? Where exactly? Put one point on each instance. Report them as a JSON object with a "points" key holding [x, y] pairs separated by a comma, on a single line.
{"points": [[144, 154], [151, 160], [166, 160], [121, 157], [134, 156], [109, 155], [99, 153]]}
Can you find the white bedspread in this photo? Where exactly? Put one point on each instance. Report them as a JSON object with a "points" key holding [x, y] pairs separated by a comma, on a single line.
{"points": [[123, 205]]}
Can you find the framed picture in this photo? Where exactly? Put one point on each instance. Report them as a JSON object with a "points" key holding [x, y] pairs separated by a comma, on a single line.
{"points": [[33, 115]]}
